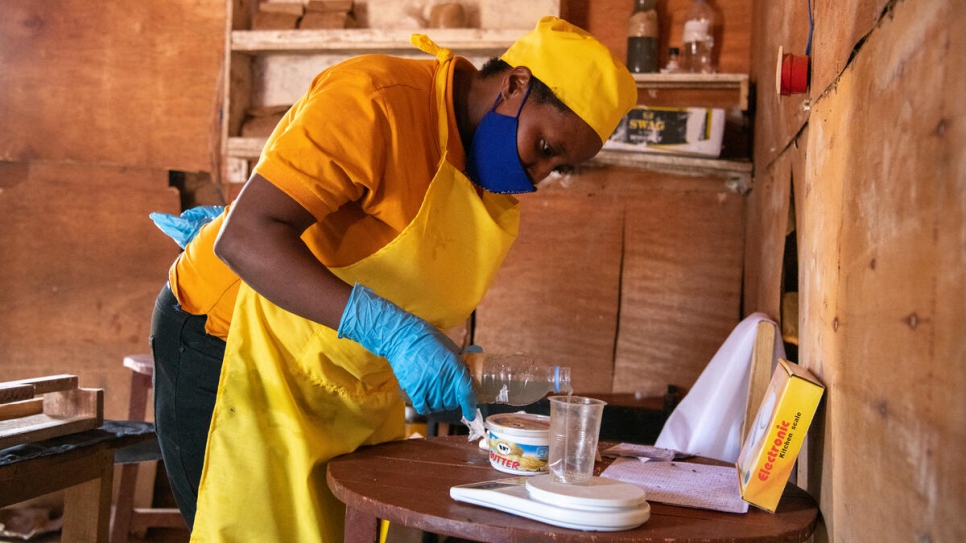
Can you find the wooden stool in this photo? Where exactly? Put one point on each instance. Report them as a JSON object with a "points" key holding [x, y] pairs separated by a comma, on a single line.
{"points": [[128, 518]]}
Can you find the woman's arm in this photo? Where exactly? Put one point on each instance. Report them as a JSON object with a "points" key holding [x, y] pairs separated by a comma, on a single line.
{"points": [[261, 242]]}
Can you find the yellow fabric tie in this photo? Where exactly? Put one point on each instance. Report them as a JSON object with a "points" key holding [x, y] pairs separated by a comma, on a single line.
{"points": [[426, 45]]}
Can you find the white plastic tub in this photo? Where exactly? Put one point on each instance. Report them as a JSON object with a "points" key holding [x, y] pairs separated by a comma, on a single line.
{"points": [[519, 442]]}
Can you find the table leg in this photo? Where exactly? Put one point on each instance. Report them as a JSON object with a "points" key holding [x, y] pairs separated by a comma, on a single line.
{"points": [[360, 527], [87, 506]]}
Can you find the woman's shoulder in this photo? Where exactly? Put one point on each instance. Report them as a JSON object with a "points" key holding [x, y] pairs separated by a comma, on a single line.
{"points": [[383, 71]]}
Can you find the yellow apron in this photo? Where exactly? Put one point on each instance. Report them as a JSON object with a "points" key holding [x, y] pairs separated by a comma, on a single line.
{"points": [[292, 395]]}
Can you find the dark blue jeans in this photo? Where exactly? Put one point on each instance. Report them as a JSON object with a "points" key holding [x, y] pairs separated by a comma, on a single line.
{"points": [[187, 365]]}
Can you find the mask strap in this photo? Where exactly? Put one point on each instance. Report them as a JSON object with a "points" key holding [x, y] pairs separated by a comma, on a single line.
{"points": [[525, 96]]}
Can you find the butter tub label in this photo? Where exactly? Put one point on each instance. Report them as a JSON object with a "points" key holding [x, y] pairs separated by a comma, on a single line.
{"points": [[512, 457]]}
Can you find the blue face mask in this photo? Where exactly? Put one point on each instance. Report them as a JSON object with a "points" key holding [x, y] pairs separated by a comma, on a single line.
{"points": [[493, 162]]}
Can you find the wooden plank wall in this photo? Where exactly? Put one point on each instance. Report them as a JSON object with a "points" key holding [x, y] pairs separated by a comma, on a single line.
{"points": [[127, 83], [81, 268], [631, 277], [99, 101], [875, 159]]}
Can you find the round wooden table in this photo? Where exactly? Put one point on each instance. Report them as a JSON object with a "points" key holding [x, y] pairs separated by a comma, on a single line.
{"points": [[408, 482]]}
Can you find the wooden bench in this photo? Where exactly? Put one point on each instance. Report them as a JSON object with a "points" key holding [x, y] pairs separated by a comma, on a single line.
{"points": [[53, 437]]}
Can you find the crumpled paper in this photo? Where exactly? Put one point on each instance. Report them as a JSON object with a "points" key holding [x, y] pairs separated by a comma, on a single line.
{"points": [[477, 429], [28, 522]]}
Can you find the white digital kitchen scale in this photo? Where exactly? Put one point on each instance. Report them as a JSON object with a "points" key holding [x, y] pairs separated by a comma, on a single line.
{"points": [[603, 505]]}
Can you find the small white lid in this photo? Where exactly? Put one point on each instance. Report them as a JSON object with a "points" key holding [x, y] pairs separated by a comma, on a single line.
{"points": [[599, 493]]}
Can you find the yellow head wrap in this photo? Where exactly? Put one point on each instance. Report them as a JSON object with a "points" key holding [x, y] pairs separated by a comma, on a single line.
{"points": [[581, 72]]}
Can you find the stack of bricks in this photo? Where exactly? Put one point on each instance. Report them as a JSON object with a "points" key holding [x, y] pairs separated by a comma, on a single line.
{"points": [[313, 15]]}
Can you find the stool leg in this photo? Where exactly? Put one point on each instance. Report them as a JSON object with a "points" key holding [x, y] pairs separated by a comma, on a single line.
{"points": [[124, 507]]}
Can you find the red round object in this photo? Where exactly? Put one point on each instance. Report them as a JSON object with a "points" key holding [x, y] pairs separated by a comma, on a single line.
{"points": [[794, 78]]}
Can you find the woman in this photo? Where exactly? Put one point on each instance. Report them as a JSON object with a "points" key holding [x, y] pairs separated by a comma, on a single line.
{"points": [[377, 215]]}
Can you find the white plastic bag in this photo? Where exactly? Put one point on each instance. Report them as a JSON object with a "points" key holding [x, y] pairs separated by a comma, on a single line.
{"points": [[708, 420]]}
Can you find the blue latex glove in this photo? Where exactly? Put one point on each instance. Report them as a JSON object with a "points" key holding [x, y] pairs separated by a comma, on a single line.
{"points": [[184, 228], [425, 361]]}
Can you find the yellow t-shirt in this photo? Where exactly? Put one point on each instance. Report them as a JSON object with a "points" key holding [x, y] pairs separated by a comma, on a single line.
{"points": [[358, 151]]}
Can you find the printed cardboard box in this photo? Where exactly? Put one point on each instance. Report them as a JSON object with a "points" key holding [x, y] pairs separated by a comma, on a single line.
{"points": [[776, 437], [681, 131]]}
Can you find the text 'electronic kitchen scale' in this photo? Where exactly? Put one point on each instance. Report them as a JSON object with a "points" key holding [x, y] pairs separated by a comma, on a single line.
{"points": [[603, 505]]}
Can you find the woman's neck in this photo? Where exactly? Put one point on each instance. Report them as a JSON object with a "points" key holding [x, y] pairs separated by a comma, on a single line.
{"points": [[473, 97]]}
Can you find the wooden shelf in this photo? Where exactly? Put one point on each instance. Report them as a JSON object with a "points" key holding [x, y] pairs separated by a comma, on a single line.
{"points": [[701, 82], [711, 90], [460, 40], [737, 172], [691, 81]]}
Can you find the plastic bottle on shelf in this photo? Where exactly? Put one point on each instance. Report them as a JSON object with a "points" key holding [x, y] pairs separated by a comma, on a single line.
{"points": [[515, 379], [698, 38], [673, 61], [642, 37]]}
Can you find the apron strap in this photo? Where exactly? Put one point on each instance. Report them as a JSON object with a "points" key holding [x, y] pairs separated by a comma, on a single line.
{"points": [[444, 56]]}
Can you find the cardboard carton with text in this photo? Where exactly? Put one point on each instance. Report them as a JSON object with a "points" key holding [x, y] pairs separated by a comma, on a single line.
{"points": [[777, 433]]}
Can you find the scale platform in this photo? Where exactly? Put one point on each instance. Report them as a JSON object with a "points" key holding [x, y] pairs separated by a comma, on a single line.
{"points": [[603, 505]]}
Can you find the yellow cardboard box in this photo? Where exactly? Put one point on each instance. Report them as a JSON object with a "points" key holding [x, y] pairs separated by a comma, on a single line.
{"points": [[776, 437]]}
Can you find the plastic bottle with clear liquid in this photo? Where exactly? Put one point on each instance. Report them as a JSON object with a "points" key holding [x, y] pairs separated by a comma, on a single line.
{"points": [[515, 379], [696, 55]]}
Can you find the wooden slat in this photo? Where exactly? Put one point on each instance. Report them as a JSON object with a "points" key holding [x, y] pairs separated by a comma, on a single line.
{"points": [[762, 359], [460, 40], [86, 402], [40, 427], [64, 412], [23, 408], [51, 383], [15, 392], [140, 363]]}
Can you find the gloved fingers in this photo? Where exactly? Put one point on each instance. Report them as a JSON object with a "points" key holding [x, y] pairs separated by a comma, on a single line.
{"points": [[420, 405], [176, 228], [203, 212], [468, 406]]}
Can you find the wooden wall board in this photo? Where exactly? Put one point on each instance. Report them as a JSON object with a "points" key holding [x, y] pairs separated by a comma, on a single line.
{"points": [[557, 294], [113, 83], [82, 266], [883, 299], [479, 13], [835, 37], [778, 119], [681, 284], [768, 212], [629, 276]]}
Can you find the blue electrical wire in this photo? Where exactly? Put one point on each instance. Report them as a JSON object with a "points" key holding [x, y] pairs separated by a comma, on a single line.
{"points": [[811, 25]]}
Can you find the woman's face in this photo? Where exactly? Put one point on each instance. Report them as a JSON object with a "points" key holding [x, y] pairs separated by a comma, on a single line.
{"points": [[549, 139]]}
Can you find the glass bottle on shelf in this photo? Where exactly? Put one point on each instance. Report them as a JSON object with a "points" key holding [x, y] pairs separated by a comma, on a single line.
{"points": [[698, 38], [642, 37], [673, 61]]}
